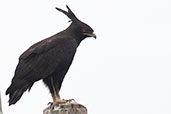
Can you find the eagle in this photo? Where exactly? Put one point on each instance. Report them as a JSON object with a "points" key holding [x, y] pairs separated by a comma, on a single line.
{"points": [[49, 60]]}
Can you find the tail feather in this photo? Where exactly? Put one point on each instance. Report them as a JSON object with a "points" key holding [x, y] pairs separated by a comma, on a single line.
{"points": [[15, 93], [14, 97]]}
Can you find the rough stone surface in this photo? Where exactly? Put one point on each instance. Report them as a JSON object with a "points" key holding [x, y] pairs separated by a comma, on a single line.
{"points": [[68, 108]]}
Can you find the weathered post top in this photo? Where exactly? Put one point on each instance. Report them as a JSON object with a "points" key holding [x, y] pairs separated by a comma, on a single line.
{"points": [[67, 108]]}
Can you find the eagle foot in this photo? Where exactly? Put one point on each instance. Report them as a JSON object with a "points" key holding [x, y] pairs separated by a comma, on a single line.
{"points": [[60, 101]]}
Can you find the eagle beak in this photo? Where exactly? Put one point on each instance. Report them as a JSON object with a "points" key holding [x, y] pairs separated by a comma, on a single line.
{"points": [[90, 35], [93, 35]]}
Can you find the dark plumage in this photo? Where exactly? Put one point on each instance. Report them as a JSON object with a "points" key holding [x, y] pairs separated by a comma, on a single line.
{"points": [[49, 60]]}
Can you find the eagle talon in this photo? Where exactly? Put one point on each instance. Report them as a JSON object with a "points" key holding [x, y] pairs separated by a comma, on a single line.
{"points": [[52, 107], [73, 100], [53, 104], [70, 100], [50, 103]]}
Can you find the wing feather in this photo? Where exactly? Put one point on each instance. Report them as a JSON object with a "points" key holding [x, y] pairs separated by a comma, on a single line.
{"points": [[44, 57]]}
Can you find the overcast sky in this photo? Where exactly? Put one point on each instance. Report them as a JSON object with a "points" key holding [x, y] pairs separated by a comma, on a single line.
{"points": [[127, 70]]}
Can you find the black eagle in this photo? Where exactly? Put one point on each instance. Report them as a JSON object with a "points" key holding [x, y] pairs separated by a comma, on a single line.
{"points": [[49, 60]]}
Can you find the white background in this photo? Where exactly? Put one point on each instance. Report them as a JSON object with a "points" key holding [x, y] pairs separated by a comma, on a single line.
{"points": [[127, 70]]}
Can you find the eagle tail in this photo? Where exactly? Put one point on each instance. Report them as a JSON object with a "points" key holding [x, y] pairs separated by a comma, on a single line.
{"points": [[16, 93], [14, 97]]}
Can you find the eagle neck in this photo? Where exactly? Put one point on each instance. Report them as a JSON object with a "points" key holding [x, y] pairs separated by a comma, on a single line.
{"points": [[74, 31]]}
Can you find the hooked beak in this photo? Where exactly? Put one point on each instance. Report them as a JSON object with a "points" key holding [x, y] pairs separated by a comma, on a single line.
{"points": [[90, 35]]}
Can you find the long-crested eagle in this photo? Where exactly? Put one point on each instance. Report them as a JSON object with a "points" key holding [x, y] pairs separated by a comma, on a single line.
{"points": [[49, 60]]}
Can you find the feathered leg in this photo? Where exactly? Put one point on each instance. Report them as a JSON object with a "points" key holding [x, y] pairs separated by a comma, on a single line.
{"points": [[54, 88]]}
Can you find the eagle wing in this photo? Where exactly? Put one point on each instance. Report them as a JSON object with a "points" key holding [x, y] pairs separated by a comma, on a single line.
{"points": [[41, 60]]}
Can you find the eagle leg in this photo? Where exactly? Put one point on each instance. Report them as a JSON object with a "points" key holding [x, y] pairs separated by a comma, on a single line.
{"points": [[56, 97], [54, 90]]}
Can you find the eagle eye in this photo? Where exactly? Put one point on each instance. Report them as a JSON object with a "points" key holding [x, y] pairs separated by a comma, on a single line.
{"points": [[84, 30]]}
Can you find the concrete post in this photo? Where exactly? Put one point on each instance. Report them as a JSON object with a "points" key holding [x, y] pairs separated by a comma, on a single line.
{"points": [[68, 108], [0, 105]]}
